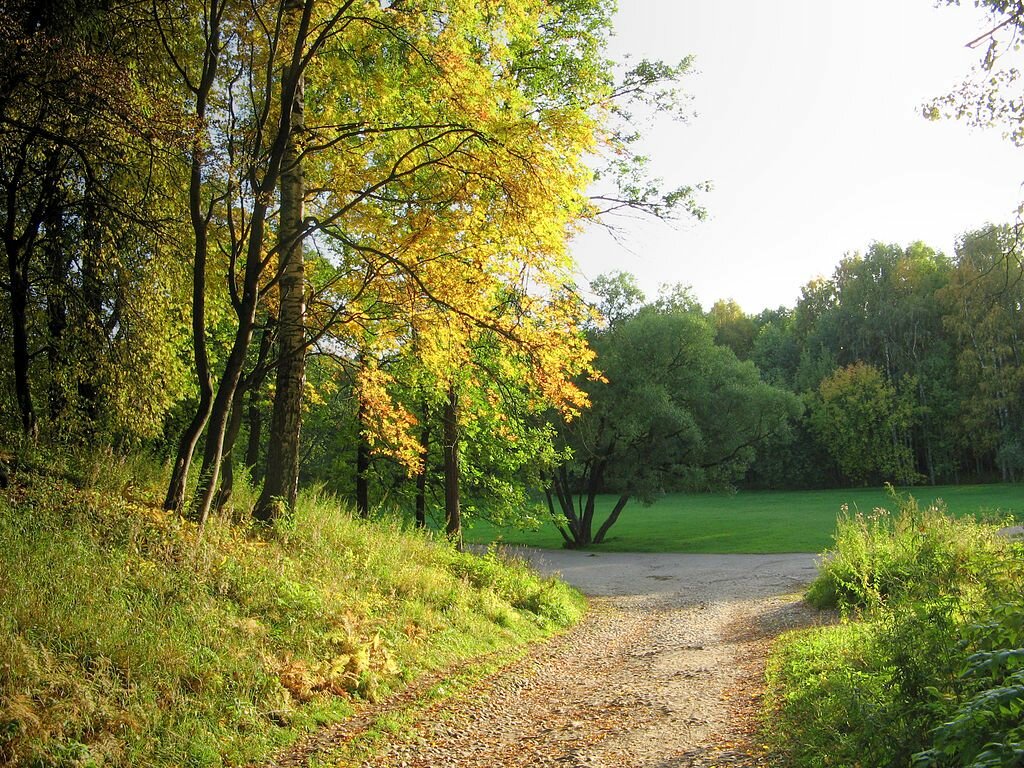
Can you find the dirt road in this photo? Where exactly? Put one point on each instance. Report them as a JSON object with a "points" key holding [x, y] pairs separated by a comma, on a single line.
{"points": [[663, 673]]}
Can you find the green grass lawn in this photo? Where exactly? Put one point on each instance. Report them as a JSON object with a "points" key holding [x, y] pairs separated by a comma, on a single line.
{"points": [[752, 521]]}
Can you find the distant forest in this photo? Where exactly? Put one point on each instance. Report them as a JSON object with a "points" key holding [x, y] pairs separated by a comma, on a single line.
{"points": [[909, 364]]}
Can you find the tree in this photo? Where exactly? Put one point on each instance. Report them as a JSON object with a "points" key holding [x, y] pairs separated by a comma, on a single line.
{"points": [[863, 421], [886, 315], [676, 412], [733, 327], [982, 98], [990, 96], [85, 131], [281, 483], [201, 206], [620, 298], [983, 313]]}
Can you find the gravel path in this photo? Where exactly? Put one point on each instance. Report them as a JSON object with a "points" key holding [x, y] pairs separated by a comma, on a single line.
{"points": [[663, 673]]}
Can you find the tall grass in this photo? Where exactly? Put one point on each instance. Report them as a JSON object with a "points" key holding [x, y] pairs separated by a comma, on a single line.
{"points": [[132, 637], [914, 553], [915, 589]]}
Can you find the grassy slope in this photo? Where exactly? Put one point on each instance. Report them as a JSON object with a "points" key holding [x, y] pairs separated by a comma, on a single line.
{"points": [[753, 521], [129, 637]]}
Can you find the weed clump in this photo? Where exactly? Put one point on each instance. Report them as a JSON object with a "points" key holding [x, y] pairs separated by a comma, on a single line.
{"points": [[913, 554], [925, 667]]}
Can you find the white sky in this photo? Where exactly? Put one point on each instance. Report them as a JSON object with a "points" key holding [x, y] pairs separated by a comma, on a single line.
{"points": [[809, 126]]}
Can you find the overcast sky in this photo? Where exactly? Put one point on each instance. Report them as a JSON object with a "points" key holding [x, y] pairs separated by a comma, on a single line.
{"points": [[809, 126]]}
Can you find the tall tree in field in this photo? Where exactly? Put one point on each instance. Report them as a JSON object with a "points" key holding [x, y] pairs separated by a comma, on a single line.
{"points": [[677, 412]]}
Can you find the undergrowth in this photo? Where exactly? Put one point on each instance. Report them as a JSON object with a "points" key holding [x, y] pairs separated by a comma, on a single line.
{"points": [[925, 668], [915, 553], [131, 637]]}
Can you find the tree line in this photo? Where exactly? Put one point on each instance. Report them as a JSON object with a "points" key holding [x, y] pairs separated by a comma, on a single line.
{"points": [[905, 366], [908, 363]]}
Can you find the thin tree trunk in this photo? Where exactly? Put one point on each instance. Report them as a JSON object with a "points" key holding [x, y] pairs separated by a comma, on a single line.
{"points": [[227, 478], [450, 449], [18, 250], [56, 311], [612, 518], [92, 299], [175, 498], [555, 515], [22, 383], [209, 476], [421, 476], [586, 533], [200, 221], [254, 419], [362, 466], [254, 379], [254, 413], [282, 478], [565, 500]]}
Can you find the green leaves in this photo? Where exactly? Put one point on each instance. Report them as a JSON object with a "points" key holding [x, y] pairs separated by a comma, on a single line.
{"points": [[676, 411], [862, 420]]}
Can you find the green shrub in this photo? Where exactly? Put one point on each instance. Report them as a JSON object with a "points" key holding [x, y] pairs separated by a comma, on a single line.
{"points": [[913, 554], [986, 729], [925, 666], [862, 693]]}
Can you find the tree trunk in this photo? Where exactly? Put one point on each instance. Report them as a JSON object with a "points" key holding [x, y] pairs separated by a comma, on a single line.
{"points": [[227, 478], [254, 385], [246, 307], [560, 485], [612, 518], [585, 535], [556, 517], [450, 448], [175, 498], [362, 466], [254, 419], [92, 299], [254, 379], [56, 311], [228, 383], [19, 321], [282, 478], [421, 476], [200, 221], [213, 452]]}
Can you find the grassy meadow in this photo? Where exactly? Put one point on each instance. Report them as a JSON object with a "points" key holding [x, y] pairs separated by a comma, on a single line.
{"points": [[754, 521]]}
